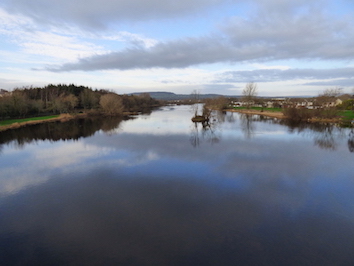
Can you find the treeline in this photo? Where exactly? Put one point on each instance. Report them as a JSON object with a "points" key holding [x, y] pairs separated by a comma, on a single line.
{"points": [[61, 98]]}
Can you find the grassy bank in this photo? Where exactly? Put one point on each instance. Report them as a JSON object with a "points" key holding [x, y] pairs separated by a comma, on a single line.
{"points": [[16, 123], [12, 121], [347, 114]]}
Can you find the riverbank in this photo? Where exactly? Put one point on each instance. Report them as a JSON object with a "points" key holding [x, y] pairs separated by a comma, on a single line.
{"points": [[59, 118], [280, 115]]}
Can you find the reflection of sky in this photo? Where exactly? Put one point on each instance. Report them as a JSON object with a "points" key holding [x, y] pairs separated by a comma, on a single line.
{"points": [[161, 143], [36, 163], [147, 188], [161, 123]]}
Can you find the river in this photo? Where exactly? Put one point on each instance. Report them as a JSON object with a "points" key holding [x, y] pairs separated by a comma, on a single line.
{"points": [[160, 190]]}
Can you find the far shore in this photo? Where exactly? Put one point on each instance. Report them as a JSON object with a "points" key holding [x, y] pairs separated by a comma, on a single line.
{"points": [[280, 115], [67, 117]]}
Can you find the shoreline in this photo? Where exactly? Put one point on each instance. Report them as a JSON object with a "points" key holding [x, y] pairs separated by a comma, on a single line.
{"points": [[280, 115], [66, 117], [61, 118]]}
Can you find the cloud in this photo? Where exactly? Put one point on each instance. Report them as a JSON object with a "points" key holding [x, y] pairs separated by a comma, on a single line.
{"points": [[30, 39], [273, 75], [262, 39], [288, 35], [9, 84], [98, 14], [131, 38], [175, 54], [157, 37], [334, 83]]}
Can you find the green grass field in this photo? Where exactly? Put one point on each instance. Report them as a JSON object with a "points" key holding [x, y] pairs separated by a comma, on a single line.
{"points": [[11, 121], [347, 114]]}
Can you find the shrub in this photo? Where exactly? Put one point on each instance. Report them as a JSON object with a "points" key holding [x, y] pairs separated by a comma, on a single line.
{"points": [[298, 114], [111, 104]]}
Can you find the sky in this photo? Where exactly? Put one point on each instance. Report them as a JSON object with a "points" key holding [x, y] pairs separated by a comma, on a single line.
{"points": [[287, 47]]}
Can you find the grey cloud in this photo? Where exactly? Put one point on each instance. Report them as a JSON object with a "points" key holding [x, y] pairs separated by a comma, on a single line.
{"points": [[303, 38], [275, 30], [219, 86], [289, 35], [224, 89], [272, 75], [335, 83], [97, 14], [175, 54]]}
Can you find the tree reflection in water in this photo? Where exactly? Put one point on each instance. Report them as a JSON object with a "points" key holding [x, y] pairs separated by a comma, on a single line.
{"points": [[326, 136], [247, 125], [325, 139], [207, 130], [351, 141], [54, 131]]}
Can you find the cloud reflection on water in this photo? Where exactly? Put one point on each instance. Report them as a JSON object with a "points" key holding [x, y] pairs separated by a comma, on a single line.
{"points": [[141, 198], [110, 218]]}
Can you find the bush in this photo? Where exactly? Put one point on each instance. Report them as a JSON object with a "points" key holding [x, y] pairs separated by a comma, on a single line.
{"points": [[326, 113], [111, 104], [298, 114], [303, 114]]}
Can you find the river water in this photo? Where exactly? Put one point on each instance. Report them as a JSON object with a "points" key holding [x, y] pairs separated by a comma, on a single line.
{"points": [[161, 190]]}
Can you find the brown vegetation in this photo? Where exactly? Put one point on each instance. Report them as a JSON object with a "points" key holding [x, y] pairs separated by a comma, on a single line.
{"points": [[111, 104], [249, 93], [58, 99], [219, 103]]}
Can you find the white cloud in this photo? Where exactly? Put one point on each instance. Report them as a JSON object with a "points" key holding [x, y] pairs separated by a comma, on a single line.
{"points": [[131, 38], [137, 45], [293, 35]]}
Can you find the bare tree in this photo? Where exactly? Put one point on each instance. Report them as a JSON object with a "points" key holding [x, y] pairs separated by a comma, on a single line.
{"points": [[18, 103], [3, 106], [111, 104], [89, 99], [195, 97], [327, 98], [249, 93], [65, 103], [219, 103]]}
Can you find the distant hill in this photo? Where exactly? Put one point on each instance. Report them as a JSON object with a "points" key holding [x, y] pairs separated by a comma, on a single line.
{"points": [[170, 96]]}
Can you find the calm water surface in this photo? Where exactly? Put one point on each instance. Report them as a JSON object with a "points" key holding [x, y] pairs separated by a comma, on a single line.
{"points": [[160, 190]]}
